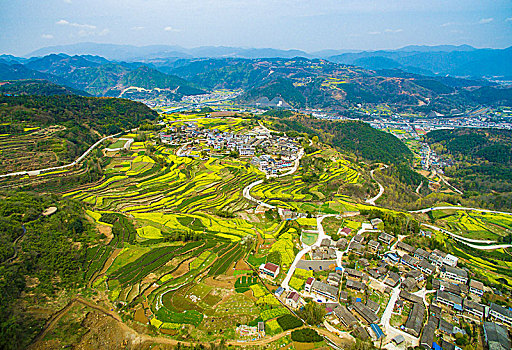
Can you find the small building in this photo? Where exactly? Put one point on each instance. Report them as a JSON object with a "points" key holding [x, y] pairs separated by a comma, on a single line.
{"points": [[377, 331], [410, 297], [375, 222], [345, 231], [279, 291], [450, 260], [269, 269], [496, 336], [445, 327], [261, 328], [476, 287], [343, 295], [455, 274], [399, 339], [308, 284]]}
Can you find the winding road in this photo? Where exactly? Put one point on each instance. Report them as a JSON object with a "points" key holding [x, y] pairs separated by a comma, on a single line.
{"points": [[371, 201]]}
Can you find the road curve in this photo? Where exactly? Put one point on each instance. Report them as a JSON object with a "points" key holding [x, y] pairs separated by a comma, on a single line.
{"points": [[371, 201]]}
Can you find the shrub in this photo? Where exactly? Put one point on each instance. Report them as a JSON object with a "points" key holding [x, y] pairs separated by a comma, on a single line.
{"points": [[306, 335], [289, 321]]}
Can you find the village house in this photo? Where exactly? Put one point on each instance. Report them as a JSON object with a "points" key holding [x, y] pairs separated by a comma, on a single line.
{"points": [[473, 308], [414, 321], [341, 244], [392, 279], [455, 274], [368, 315], [496, 336], [436, 257], [421, 254], [404, 247], [308, 284], [356, 248], [325, 290], [426, 267], [415, 274], [355, 274], [409, 261], [500, 314], [345, 316], [449, 299], [427, 337], [358, 238], [355, 285], [374, 246], [385, 238], [293, 300], [334, 279], [409, 284], [450, 260], [269, 270], [476, 287]]}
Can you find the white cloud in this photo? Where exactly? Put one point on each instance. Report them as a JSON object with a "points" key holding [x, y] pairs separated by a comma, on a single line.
{"points": [[67, 1], [447, 24], [137, 28], [486, 20], [171, 29], [508, 19], [393, 30], [47, 36], [374, 33], [63, 22]]}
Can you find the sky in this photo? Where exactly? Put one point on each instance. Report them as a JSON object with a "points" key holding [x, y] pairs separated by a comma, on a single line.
{"points": [[308, 25]]}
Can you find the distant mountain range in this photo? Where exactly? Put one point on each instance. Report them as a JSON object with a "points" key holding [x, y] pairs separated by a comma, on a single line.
{"points": [[267, 82], [459, 61]]}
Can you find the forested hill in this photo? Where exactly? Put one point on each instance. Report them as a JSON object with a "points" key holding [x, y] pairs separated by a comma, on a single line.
{"points": [[356, 137], [105, 115], [37, 87], [482, 158]]}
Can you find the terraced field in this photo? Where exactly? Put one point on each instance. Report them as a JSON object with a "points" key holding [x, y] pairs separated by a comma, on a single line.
{"points": [[137, 184], [310, 190], [475, 225]]}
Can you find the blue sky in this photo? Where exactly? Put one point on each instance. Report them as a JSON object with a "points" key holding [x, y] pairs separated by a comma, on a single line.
{"points": [[308, 25]]}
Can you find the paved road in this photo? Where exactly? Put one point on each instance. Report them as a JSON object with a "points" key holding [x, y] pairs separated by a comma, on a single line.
{"points": [[426, 210], [371, 201], [484, 245], [77, 161]]}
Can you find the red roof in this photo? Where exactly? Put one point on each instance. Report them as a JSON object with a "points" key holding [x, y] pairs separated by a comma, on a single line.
{"points": [[271, 267], [310, 280], [346, 230], [294, 296]]}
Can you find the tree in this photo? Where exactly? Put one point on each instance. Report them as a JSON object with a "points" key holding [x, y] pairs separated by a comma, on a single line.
{"points": [[274, 257], [313, 313], [314, 139]]}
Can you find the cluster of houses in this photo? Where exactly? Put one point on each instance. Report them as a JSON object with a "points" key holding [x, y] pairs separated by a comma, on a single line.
{"points": [[457, 295]]}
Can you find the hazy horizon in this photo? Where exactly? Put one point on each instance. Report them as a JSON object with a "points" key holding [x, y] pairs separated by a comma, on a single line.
{"points": [[302, 25]]}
